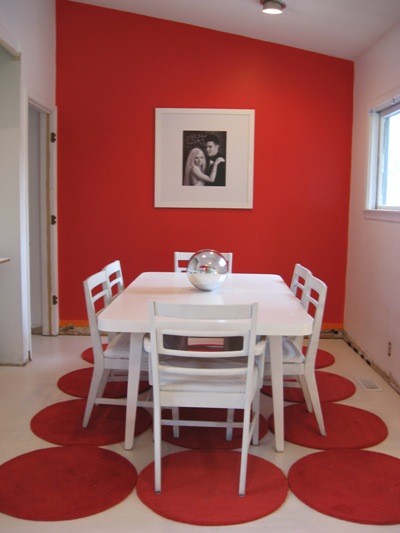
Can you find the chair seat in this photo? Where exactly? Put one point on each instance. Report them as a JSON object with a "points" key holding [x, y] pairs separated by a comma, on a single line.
{"points": [[214, 384], [211, 364], [290, 353], [118, 347]]}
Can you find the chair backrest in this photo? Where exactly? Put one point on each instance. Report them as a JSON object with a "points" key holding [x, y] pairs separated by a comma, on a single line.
{"points": [[169, 320], [97, 298], [115, 280], [314, 304], [181, 260], [300, 278]]}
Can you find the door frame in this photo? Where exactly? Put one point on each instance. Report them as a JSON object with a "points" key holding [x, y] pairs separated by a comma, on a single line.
{"points": [[48, 219]]}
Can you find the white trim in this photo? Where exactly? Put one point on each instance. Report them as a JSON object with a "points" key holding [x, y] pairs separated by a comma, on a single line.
{"points": [[387, 99], [372, 161], [9, 42], [53, 228], [24, 224], [383, 215], [40, 103], [375, 109]]}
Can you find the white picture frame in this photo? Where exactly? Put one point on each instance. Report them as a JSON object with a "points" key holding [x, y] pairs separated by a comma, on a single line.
{"points": [[179, 129]]}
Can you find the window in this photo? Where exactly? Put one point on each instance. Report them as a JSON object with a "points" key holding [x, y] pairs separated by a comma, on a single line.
{"points": [[388, 190], [384, 190]]}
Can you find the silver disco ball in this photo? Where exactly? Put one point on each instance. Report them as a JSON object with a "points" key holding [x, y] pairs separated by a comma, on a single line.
{"points": [[207, 269]]}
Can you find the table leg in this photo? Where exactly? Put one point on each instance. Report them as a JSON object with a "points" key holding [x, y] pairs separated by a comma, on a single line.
{"points": [[135, 353], [277, 389]]}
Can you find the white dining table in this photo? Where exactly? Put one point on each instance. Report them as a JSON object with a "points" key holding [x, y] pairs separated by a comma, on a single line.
{"points": [[280, 314]]}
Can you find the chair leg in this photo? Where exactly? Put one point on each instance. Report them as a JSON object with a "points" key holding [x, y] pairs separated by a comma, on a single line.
{"points": [[229, 420], [256, 417], [245, 451], [316, 404], [103, 383], [98, 383], [306, 393], [175, 428], [157, 448]]}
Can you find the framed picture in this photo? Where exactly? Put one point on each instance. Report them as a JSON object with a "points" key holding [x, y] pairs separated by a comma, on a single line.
{"points": [[204, 158]]}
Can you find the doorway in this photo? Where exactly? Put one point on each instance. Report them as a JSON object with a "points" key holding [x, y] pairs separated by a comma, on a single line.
{"points": [[42, 221]]}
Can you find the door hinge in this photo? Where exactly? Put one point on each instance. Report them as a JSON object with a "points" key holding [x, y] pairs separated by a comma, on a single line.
{"points": [[54, 299], [53, 137], [53, 220]]}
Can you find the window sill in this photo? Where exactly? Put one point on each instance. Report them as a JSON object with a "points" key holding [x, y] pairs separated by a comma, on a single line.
{"points": [[382, 214]]}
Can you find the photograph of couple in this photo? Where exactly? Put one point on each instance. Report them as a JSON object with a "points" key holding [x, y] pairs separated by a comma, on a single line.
{"points": [[204, 158]]}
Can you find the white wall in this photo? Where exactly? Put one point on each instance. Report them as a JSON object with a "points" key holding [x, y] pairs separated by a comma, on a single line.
{"points": [[27, 28], [30, 26], [372, 307], [11, 341]]}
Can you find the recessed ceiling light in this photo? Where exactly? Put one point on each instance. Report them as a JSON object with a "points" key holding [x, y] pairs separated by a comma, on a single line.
{"points": [[273, 7]]}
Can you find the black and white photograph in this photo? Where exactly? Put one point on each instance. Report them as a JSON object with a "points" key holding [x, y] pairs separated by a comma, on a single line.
{"points": [[204, 158]]}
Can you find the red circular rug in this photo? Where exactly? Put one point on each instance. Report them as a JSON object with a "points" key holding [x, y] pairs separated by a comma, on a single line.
{"points": [[77, 383], [202, 437], [346, 427], [61, 423], [200, 487], [87, 355], [323, 359], [354, 485], [331, 388], [64, 483]]}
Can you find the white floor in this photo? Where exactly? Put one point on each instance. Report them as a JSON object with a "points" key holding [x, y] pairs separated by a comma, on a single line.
{"points": [[25, 391]]}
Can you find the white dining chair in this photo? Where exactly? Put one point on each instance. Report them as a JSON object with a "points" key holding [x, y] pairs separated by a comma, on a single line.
{"points": [[110, 363], [208, 379], [181, 260], [295, 363]]}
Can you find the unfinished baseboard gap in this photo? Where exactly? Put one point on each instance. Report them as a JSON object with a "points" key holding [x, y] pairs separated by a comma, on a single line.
{"points": [[365, 357], [82, 330], [325, 334]]}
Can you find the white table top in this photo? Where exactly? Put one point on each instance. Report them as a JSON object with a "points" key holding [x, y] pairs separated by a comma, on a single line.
{"points": [[279, 312]]}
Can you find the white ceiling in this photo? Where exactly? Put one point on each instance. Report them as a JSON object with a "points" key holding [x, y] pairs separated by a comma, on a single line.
{"points": [[340, 28]]}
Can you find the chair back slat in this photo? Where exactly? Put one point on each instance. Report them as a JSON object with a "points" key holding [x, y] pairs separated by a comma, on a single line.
{"points": [[172, 324], [300, 278], [114, 278], [97, 298], [314, 303]]}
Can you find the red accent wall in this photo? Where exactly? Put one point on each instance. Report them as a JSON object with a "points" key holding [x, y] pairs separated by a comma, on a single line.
{"points": [[114, 69]]}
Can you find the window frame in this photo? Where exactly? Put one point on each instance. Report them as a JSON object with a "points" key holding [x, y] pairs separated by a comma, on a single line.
{"points": [[377, 115]]}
